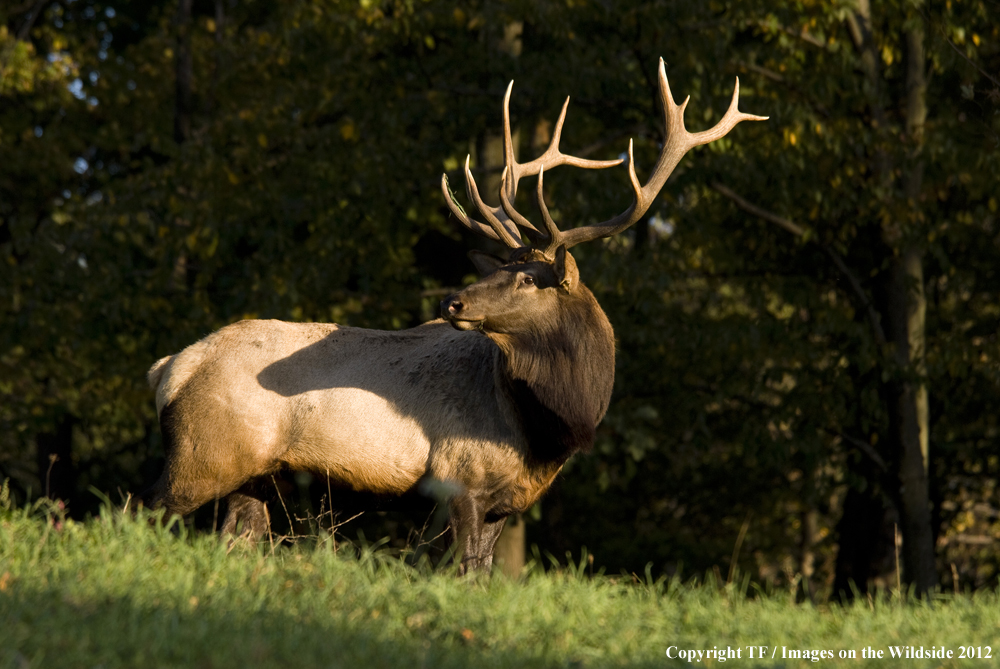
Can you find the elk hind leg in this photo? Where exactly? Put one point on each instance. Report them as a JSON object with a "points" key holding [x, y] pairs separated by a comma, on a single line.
{"points": [[246, 511], [173, 499], [191, 476]]}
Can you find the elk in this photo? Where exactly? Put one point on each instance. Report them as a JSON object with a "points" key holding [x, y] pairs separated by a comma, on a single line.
{"points": [[491, 399]]}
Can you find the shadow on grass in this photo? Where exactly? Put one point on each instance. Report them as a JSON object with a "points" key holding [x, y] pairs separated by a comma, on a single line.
{"points": [[48, 628]]}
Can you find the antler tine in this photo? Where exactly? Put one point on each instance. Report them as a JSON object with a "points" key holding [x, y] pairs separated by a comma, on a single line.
{"points": [[557, 131], [588, 232], [552, 157], [508, 143], [555, 235], [677, 143], [732, 116], [460, 214], [504, 234], [533, 232], [552, 153]]}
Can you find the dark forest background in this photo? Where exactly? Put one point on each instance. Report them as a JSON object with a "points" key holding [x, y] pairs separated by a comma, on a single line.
{"points": [[807, 319]]}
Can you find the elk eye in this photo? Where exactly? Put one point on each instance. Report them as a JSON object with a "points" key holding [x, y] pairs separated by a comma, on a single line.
{"points": [[528, 280]]}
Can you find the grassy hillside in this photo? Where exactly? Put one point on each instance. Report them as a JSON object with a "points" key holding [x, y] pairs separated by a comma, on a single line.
{"points": [[114, 592]]}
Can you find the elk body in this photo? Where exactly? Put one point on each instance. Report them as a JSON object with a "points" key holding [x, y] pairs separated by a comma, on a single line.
{"points": [[492, 399]]}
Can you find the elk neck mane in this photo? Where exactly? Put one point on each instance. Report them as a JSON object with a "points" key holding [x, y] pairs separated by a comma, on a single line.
{"points": [[561, 373]]}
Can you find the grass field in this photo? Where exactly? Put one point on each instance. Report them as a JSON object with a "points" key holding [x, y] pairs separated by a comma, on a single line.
{"points": [[115, 592]]}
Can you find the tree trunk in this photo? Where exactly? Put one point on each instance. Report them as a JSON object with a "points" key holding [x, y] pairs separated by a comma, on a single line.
{"points": [[908, 417], [904, 304], [508, 555], [906, 328], [865, 548], [807, 556]]}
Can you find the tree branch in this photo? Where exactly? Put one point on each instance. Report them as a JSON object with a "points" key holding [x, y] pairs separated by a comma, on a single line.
{"points": [[763, 71], [859, 24], [802, 34], [780, 221], [874, 318], [770, 74], [805, 36], [970, 61], [29, 21], [862, 446]]}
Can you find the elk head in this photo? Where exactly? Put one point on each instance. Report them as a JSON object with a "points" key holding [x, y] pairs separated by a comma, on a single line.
{"points": [[526, 285], [513, 293]]}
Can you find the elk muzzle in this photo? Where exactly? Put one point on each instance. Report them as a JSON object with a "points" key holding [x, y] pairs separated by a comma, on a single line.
{"points": [[454, 310]]}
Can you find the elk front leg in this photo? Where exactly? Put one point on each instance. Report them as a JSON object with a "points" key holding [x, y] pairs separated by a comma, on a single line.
{"points": [[488, 541], [468, 517]]}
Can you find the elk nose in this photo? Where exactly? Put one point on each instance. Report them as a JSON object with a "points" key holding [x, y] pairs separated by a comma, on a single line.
{"points": [[451, 306]]}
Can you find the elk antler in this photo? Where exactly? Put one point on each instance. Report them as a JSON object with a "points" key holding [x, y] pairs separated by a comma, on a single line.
{"points": [[678, 142], [503, 220], [501, 224]]}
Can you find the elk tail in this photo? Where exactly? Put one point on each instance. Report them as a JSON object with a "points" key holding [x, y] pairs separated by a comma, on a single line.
{"points": [[155, 373]]}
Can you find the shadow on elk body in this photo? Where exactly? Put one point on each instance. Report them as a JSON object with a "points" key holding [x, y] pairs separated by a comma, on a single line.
{"points": [[492, 400]]}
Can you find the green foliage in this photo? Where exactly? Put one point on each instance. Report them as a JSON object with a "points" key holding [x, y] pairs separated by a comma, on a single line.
{"points": [[307, 190], [766, 374]]}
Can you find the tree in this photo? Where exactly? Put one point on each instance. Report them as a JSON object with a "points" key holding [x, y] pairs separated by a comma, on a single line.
{"points": [[39, 120], [900, 205]]}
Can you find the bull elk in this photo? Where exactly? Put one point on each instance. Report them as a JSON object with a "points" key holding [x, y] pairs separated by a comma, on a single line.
{"points": [[493, 398]]}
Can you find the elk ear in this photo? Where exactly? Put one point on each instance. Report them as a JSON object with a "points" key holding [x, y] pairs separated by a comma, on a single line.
{"points": [[485, 263], [565, 268]]}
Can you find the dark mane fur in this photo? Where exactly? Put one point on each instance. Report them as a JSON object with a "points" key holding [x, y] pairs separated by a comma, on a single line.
{"points": [[561, 375]]}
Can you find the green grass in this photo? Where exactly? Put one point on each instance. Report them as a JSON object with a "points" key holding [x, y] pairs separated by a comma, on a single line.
{"points": [[116, 592]]}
